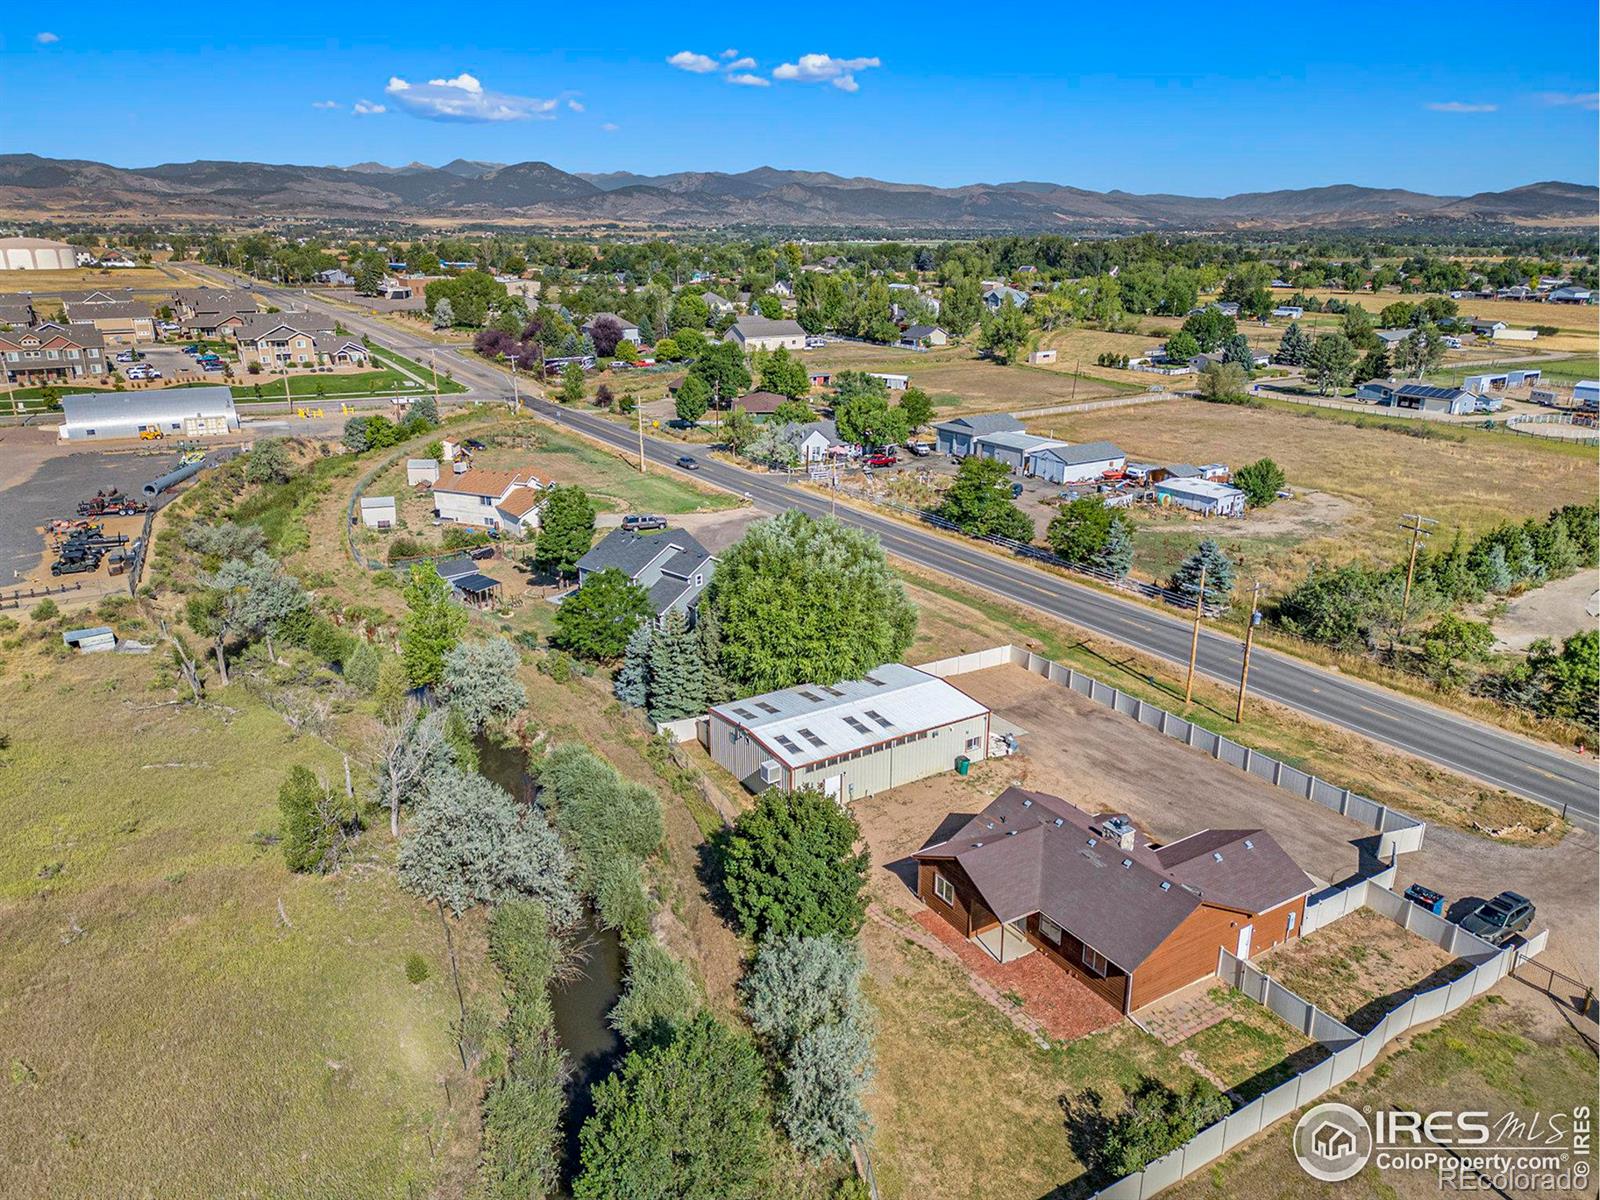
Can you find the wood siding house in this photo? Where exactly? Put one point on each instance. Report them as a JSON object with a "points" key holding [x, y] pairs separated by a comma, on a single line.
{"points": [[1132, 919]]}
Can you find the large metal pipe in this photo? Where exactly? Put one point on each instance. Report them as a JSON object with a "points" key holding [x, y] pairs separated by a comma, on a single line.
{"points": [[172, 478]]}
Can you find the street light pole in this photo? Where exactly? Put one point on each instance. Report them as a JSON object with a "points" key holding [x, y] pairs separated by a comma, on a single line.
{"points": [[1194, 641], [1249, 640]]}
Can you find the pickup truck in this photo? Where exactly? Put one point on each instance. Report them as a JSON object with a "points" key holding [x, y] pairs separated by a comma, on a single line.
{"points": [[639, 522], [884, 458]]}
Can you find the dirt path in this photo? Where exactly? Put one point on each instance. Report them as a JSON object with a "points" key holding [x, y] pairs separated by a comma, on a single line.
{"points": [[1555, 611]]}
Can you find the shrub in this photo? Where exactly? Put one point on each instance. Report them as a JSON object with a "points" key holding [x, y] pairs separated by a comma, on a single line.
{"points": [[45, 610], [405, 546], [657, 995], [789, 865], [416, 968]]}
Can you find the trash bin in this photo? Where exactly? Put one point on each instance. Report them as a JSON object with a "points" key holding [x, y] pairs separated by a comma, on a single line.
{"points": [[963, 764]]}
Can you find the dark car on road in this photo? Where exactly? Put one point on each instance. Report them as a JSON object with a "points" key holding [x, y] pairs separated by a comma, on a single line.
{"points": [[1500, 919], [637, 522], [688, 463]]}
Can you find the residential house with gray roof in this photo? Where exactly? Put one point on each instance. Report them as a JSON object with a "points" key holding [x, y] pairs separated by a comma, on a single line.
{"points": [[670, 565]]}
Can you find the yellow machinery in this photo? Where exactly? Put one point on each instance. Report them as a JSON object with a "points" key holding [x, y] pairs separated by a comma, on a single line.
{"points": [[149, 435]]}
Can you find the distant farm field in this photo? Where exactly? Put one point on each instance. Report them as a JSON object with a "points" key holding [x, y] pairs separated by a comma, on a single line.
{"points": [[151, 279]]}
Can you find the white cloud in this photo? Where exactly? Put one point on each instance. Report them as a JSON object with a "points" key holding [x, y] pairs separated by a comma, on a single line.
{"points": [[730, 53], [609, 127], [688, 60], [575, 105], [46, 39], [366, 108], [824, 68], [464, 98], [324, 104], [1588, 100], [741, 64], [746, 80], [1460, 106]]}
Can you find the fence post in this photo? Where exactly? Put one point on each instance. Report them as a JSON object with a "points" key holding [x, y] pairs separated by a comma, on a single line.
{"points": [[1161, 724], [1247, 758], [1277, 772], [1344, 802], [1188, 735], [1138, 710]]}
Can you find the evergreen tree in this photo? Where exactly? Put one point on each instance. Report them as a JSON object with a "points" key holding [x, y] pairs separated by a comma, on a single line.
{"points": [[1218, 570], [1116, 556], [677, 673], [1492, 571], [632, 682], [444, 315], [1295, 348], [1237, 351]]}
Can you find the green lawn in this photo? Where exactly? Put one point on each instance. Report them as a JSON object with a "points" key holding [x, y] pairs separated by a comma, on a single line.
{"points": [[176, 1008], [392, 380]]}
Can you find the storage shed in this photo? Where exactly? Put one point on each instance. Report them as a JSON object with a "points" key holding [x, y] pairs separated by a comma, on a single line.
{"points": [[377, 512], [90, 641], [175, 412], [892, 726], [421, 470], [1066, 463], [1203, 496], [1013, 447]]}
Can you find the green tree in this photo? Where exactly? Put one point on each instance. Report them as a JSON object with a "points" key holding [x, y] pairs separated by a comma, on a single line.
{"points": [[915, 408], [723, 369], [694, 398], [596, 621], [1236, 351], [1223, 383], [791, 412], [979, 502], [444, 314], [783, 374], [1359, 327], [866, 418], [571, 384], [1116, 556], [318, 822], [689, 311], [1260, 481], [269, 461], [658, 996], [1340, 607], [961, 306], [1374, 364], [805, 600], [1004, 333], [1295, 348], [433, 625], [1218, 570], [1154, 1121], [874, 318], [632, 682], [686, 1119], [566, 530], [1079, 533], [1423, 351], [1210, 328], [677, 672], [480, 682], [1181, 347], [790, 865], [1332, 363], [738, 430]]}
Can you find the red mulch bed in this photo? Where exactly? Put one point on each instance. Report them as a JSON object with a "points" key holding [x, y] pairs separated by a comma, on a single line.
{"points": [[1060, 1002]]}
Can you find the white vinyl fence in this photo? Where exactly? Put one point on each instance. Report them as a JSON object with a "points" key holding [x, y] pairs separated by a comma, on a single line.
{"points": [[1398, 833], [1484, 965]]}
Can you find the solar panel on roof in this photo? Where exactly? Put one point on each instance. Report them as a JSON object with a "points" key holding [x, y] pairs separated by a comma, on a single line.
{"points": [[811, 696], [833, 691], [873, 680], [745, 713]]}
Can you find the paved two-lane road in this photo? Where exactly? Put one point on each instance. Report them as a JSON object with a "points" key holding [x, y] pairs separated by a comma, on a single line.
{"points": [[1518, 764]]}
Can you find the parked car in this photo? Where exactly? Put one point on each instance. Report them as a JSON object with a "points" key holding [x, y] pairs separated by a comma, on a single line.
{"points": [[479, 553], [474, 444], [688, 462], [641, 521], [884, 458], [127, 356], [1501, 919], [191, 349], [218, 365], [816, 343], [920, 449]]}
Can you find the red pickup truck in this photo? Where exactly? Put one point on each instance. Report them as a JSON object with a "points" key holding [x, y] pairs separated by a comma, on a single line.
{"points": [[885, 458]]}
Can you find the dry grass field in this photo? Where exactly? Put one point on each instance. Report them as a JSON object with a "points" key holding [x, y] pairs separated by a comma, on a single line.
{"points": [[150, 279], [1374, 473]]}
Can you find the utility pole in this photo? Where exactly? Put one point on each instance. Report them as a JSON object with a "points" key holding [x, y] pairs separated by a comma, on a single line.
{"points": [[639, 412], [1194, 642], [1418, 531], [1076, 367], [516, 397], [1249, 640], [433, 362]]}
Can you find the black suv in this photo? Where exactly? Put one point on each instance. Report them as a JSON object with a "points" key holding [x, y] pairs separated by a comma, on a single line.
{"points": [[1500, 919]]}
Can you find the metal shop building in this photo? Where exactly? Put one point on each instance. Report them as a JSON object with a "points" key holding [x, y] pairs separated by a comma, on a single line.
{"points": [[892, 726], [172, 412]]}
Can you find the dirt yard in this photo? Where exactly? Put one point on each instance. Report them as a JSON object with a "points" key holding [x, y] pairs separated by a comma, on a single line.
{"points": [[1555, 611], [1360, 968], [1098, 759]]}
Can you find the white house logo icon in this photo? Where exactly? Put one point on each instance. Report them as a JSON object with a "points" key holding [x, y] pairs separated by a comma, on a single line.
{"points": [[1332, 1142]]}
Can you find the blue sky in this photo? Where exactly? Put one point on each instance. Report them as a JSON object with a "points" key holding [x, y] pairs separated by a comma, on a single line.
{"points": [[1198, 99]]}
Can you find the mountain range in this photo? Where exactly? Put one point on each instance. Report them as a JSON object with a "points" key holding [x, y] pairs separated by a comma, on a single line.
{"points": [[33, 187]]}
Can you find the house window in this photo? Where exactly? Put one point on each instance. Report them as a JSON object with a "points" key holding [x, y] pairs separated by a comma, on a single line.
{"points": [[1292, 915], [1094, 962], [944, 889], [1049, 931]]}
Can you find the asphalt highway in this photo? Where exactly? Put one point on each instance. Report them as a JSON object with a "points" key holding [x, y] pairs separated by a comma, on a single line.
{"points": [[1494, 756]]}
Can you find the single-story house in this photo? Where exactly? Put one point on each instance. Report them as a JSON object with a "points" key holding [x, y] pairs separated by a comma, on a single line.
{"points": [[336, 277], [918, 336], [175, 412], [892, 726], [1203, 496], [760, 333], [508, 500], [1487, 328], [669, 564], [377, 512], [421, 470], [1293, 311], [1063, 462], [1012, 447], [996, 297], [818, 440], [1041, 358], [760, 405], [1132, 919], [1393, 337], [467, 583], [956, 436], [719, 305], [630, 331], [1570, 295], [1410, 394]]}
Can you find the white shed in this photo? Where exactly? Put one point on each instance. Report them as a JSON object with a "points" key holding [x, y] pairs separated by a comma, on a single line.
{"points": [[421, 470], [377, 512], [1203, 496], [1063, 463]]}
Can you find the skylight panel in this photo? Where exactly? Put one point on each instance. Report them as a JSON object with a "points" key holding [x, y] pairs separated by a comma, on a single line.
{"points": [[812, 738], [880, 719], [856, 725]]}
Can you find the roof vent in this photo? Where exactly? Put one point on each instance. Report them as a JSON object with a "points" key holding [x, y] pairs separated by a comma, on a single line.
{"points": [[1011, 833], [1094, 841], [977, 845], [1166, 886], [1249, 845], [1026, 803], [1216, 856], [1059, 822], [989, 824], [1126, 863]]}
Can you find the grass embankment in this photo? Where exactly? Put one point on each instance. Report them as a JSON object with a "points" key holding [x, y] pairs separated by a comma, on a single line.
{"points": [[955, 619], [177, 1009]]}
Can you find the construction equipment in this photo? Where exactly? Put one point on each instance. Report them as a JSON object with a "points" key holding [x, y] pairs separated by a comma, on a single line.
{"points": [[150, 435]]}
